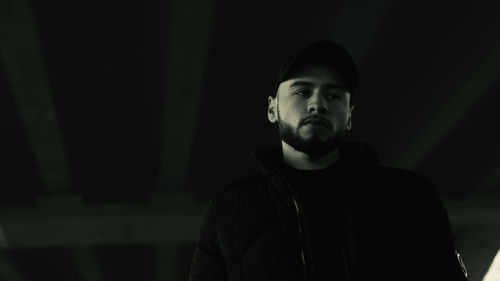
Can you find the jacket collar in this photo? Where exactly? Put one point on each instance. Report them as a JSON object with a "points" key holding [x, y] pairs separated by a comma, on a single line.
{"points": [[355, 155]]}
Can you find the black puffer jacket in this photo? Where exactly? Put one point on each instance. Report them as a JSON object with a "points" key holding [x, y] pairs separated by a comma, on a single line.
{"points": [[394, 227]]}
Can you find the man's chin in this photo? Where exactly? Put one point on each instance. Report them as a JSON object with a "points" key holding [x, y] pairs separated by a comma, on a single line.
{"points": [[315, 147], [315, 128], [316, 137], [315, 141]]}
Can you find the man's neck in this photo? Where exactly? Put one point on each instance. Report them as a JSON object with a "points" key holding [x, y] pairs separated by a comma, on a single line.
{"points": [[302, 161]]}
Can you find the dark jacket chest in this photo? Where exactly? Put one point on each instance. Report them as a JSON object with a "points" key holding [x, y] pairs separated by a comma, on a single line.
{"points": [[260, 237]]}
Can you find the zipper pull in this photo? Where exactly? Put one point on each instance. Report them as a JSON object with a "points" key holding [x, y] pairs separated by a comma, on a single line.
{"points": [[296, 206], [298, 212]]}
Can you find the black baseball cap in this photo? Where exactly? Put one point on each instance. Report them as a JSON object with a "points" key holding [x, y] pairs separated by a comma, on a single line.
{"points": [[321, 53]]}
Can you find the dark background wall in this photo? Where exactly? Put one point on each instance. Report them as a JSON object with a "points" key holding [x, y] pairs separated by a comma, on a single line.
{"points": [[120, 119]]}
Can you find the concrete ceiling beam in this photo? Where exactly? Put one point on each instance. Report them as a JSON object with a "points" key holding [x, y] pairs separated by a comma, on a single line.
{"points": [[21, 54]]}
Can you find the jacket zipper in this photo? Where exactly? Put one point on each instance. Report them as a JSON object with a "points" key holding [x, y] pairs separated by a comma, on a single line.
{"points": [[344, 254], [300, 237], [299, 220], [299, 224], [345, 217]]}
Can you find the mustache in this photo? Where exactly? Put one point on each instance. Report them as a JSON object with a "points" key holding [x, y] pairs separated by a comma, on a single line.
{"points": [[315, 119]]}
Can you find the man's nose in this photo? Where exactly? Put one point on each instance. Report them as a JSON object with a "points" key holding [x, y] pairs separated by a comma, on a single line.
{"points": [[317, 104]]}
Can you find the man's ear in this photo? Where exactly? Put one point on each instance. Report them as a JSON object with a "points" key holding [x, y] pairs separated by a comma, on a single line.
{"points": [[272, 114], [349, 118]]}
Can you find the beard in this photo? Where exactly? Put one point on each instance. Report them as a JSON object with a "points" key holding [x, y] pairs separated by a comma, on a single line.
{"points": [[314, 146]]}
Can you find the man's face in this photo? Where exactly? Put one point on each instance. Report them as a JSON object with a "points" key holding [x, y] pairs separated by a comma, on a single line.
{"points": [[312, 110]]}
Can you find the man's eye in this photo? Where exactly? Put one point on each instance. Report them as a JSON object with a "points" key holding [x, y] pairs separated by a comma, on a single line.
{"points": [[334, 95], [300, 93]]}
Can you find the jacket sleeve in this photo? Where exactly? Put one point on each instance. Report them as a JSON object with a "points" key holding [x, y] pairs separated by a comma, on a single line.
{"points": [[208, 261], [441, 258]]}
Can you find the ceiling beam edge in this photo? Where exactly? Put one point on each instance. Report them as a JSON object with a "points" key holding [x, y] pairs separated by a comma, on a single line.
{"points": [[189, 34], [21, 54]]}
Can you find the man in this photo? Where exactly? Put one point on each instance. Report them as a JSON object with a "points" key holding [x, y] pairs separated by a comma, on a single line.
{"points": [[323, 209]]}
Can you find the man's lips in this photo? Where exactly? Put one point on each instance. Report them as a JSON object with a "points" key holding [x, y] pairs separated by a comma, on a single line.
{"points": [[316, 120]]}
